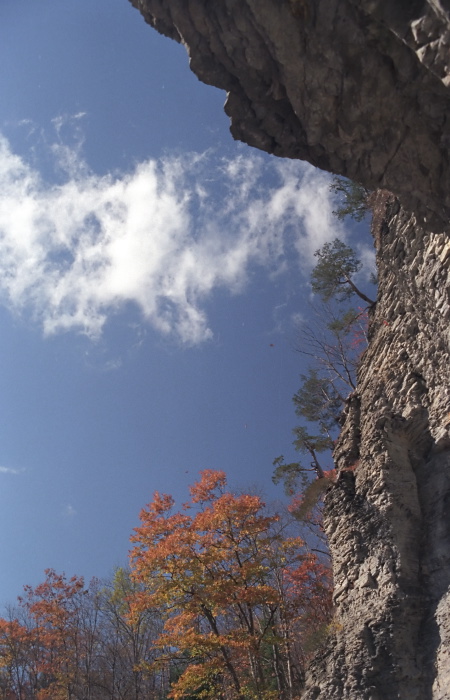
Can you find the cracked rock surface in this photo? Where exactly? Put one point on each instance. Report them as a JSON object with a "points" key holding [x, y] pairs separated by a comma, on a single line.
{"points": [[362, 88], [388, 522], [356, 87]]}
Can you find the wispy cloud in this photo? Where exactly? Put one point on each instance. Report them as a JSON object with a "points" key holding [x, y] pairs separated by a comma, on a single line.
{"points": [[9, 470], [164, 236], [69, 511]]}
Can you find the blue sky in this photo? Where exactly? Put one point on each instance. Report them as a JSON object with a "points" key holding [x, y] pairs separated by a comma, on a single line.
{"points": [[152, 276]]}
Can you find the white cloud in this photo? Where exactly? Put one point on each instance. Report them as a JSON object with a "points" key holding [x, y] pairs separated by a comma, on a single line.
{"points": [[163, 236], [9, 470]]}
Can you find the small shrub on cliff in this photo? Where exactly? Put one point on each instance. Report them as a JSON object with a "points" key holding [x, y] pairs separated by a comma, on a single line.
{"points": [[354, 199], [333, 276], [334, 341]]}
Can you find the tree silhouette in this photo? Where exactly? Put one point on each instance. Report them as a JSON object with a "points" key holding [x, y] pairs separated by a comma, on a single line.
{"points": [[334, 272]]}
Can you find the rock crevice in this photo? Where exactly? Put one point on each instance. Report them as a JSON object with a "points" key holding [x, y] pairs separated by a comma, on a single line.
{"points": [[390, 536], [356, 88], [362, 89]]}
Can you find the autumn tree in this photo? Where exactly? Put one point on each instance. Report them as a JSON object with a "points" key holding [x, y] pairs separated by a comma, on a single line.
{"points": [[222, 602], [126, 643], [219, 567], [77, 642], [17, 673], [54, 606]]}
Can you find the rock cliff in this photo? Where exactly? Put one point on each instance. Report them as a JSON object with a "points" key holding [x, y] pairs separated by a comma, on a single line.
{"points": [[388, 522], [357, 87], [362, 88]]}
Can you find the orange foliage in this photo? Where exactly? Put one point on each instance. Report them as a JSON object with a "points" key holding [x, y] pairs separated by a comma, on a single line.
{"points": [[220, 590], [229, 581], [54, 607]]}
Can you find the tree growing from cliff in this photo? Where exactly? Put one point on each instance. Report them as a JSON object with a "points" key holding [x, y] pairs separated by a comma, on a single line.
{"points": [[335, 352], [354, 199], [334, 340], [333, 275]]}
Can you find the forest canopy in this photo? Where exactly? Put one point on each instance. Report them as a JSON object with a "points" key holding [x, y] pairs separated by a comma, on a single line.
{"points": [[222, 600]]}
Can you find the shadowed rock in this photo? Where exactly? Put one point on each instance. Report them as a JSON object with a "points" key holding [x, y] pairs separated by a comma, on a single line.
{"points": [[357, 88], [361, 88]]}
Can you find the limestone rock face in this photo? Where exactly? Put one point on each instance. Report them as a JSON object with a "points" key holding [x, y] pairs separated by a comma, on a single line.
{"points": [[356, 87], [362, 88], [388, 522]]}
